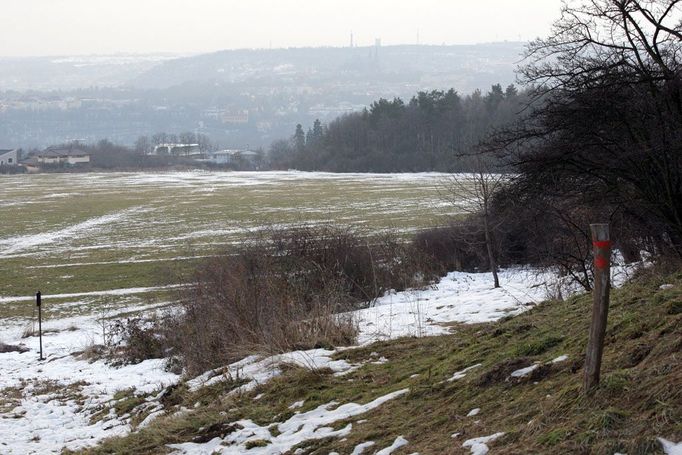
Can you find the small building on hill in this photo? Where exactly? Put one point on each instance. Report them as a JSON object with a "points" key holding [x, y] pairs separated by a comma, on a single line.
{"points": [[68, 156], [9, 157]]}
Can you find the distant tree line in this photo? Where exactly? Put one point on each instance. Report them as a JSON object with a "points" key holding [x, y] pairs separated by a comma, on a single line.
{"points": [[434, 131]]}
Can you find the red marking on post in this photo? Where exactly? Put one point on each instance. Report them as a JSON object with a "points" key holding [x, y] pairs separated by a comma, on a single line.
{"points": [[600, 262], [602, 243]]}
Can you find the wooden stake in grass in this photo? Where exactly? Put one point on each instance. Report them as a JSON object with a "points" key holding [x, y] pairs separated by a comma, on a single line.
{"points": [[600, 303]]}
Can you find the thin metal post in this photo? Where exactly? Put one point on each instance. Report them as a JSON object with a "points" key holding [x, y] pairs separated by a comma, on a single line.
{"points": [[600, 304], [40, 323]]}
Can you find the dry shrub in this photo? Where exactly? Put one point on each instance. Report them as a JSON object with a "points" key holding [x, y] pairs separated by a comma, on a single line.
{"points": [[459, 246], [286, 290], [135, 339]]}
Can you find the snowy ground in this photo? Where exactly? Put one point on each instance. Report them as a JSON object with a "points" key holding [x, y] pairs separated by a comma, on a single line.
{"points": [[458, 297], [47, 405]]}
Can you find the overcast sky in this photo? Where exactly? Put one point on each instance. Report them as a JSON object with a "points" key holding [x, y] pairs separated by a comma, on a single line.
{"points": [[65, 27]]}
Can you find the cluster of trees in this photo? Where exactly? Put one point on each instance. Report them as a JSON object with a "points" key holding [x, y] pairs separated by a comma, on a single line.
{"points": [[602, 141], [434, 131], [595, 137], [108, 155]]}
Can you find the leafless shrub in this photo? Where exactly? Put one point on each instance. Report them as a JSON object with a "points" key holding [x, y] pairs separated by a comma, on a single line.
{"points": [[458, 246], [135, 339], [4, 348], [286, 290]]}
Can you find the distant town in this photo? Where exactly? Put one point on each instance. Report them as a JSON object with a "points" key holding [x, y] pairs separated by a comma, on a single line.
{"points": [[78, 158], [240, 99]]}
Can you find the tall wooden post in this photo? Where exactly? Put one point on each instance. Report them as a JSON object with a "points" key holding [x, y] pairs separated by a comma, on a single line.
{"points": [[600, 303]]}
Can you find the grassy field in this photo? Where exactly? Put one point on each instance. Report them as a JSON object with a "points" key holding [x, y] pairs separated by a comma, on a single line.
{"points": [[87, 233], [639, 397]]}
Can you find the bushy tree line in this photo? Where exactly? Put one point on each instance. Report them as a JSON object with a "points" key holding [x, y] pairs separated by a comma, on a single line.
{"points": [[605, 143], [434, 131], [601, 142]]}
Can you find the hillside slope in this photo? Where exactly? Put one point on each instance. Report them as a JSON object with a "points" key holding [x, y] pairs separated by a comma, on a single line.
{"points": [[431, 396]]}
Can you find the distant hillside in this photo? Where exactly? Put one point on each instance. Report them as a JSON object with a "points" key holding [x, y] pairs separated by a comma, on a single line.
{"points": [[466, 67], [74, 72], [238, 98]]}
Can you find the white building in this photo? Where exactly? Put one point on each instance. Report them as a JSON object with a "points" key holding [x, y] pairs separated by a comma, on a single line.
{"points": [[9, 157], [71, 156], [186, 150], [233, 157]]}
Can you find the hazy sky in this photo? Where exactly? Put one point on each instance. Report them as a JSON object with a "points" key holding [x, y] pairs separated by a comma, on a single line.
{"points": [[58, 27]]}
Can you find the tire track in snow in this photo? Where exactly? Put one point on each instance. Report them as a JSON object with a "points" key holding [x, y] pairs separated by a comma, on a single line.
{"points": [[109, 292], [13, 245]]}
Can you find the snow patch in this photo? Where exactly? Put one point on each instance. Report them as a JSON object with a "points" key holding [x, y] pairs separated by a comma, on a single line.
{"points": [[478, 445], [398, 443], [671, 448], [258, 370], [523, 372], [360, 448], [298, 404], [311, 425], [462, 373], [110, 292], [61, 393], [561, 358]]}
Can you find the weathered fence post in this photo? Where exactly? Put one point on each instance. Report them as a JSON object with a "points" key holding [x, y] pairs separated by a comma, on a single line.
{"points": [[40, 323], [600, 303]]}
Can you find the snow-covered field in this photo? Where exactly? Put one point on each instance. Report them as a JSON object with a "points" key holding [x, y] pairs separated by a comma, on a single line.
{"points": [[69, 234]]}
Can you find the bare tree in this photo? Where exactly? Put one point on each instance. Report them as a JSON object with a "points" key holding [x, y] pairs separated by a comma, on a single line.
{"points": [[473, 194], [607, 127], [592, 38]]}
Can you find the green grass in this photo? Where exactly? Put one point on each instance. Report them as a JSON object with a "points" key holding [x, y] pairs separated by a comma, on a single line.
{"points": [[183, 215], [548, 412]]}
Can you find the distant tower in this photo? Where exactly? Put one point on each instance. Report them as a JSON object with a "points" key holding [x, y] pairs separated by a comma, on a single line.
{"points": [[351, 40], [377, 45], [417, 37]]}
